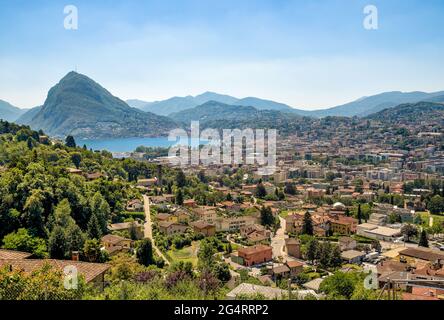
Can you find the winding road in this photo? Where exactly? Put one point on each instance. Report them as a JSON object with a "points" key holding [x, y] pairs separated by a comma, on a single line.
{"points": [[148, 228]]}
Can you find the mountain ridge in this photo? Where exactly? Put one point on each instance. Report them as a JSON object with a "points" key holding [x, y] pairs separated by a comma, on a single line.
{"points": [[79, 106], [9, 112]]}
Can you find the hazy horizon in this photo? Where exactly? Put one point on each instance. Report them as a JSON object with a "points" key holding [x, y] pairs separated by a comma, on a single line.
{"points": [[308, 55]]}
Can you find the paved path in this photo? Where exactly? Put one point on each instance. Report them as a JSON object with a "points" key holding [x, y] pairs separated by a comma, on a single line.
{"points": [[278, 240], [148, 228]]}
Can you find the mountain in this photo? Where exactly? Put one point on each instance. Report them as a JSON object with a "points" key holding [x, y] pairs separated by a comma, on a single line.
{"points": [[376, 103], [262, 104], [211, 111], [26, 117], [411, 113], [135, 103], [8, 112], [178, 104], [80, 107], [217, 115]]}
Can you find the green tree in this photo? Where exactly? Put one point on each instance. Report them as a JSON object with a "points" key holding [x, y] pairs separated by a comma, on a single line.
{"points": [[267, 218], [436, 204], [58, 247], [92, 251], [423, 240], [76, 158], [335, 258], [94, 229], [312, 250], [359, 214], [409, 231], [341, 285], [260, 191], [101, 209], [144, 252], [181, 180], [22, 240], [179, 197], [307, 224], [70, 142], [206, 255]]}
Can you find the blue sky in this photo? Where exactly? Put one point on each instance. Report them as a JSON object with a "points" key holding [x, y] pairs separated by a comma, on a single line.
{"points": [[309, 54]]}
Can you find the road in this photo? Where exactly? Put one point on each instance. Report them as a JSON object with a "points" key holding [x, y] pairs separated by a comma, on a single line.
{"points": [[278, 240], [148, 228]]}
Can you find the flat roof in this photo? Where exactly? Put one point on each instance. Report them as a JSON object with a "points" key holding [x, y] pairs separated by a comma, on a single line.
{"points": [[350, 254]]}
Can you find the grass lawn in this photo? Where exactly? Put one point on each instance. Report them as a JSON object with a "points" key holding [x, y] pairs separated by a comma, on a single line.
{"points": [[186, 254], [284, 214], [425, 216]]}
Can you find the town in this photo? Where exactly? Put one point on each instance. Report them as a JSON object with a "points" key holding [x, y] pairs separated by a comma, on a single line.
{"points": [[333, 210]]}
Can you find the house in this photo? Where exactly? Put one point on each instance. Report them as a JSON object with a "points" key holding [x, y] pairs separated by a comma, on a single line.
{"points": [[190, 203], [147, 182], [255, 233], [232, 224], [353, 256], [166, 217], [342, 224], [130, 227], [204, 228], [347, 243], [255, 255], [93, 273], [13, 255], [171, 228], [205, 213], [134, 205], [423, 254], [182, 216], [293, 247], [295, 267], [74, 171], [94, 176], [114, 244], [280, 272], [377, 232]]}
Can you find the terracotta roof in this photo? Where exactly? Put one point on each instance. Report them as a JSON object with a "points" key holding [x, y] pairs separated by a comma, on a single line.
{"points": [[87, 269], [113, 239], [281, 269], [410, 296], [254, 249], [294, 264], [201, 225], [13, 255]]}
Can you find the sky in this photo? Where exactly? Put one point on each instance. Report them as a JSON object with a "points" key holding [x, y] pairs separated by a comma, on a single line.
{"points": [[310, 54]]}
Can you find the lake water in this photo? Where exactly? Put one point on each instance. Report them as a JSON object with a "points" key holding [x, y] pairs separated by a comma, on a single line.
{"points": [[129, 144]]}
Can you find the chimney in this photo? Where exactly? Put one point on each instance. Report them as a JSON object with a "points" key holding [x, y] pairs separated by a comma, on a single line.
{"points": [[75, 256]]}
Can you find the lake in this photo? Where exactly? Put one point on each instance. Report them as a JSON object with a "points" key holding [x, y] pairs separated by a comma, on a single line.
{"points": [[129, 144]]}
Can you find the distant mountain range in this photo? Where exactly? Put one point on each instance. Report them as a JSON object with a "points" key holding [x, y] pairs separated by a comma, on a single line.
{"points": [[213, 111], [361, 107], [80, 107], [8, 112], [178, 104]]}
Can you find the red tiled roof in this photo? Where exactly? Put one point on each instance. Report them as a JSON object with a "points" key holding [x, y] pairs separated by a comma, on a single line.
{"points": [[89, 270], [13, 255]]}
